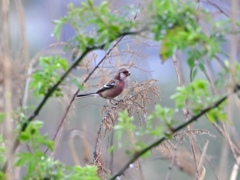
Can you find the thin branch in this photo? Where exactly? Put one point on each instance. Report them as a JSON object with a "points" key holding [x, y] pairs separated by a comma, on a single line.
{"points": [[186, 114], [121, 36], [216, 6], [55, 86], [200, 165], [140, 170], [209, 162], [26, 88], [73, 97], [46, 97], [112, 152], [221, 62], [173, 130], [172, 162]]}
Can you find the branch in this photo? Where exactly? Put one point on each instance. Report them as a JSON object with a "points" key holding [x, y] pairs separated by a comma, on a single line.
{"points": [[121, 36], [85, 80], [46, 97], [181, 126], [216, 6], [54, 87]]}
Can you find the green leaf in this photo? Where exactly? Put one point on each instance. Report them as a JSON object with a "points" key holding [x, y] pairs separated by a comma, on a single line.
{"points": [[191, 62], [48, 75], [23, 158], [112, 148], [201, 66], [193, 74], [168, 43], [58, 26]]}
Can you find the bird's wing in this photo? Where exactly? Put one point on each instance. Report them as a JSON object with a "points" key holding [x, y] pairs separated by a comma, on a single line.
{"points": [[109, 85], [87, 94]]}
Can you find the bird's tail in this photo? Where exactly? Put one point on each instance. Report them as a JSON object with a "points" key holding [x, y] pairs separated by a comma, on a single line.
{"points": [[87, 94]]}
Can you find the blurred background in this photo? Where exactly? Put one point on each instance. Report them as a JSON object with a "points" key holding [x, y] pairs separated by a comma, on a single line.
{"points": [[31, 26]]}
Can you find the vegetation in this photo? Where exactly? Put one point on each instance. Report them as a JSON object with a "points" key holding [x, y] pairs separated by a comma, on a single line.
{"points": [[180, 28]]}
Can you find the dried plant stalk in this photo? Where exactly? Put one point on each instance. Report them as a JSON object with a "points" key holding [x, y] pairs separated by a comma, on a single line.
{"points": [[134, 100]]}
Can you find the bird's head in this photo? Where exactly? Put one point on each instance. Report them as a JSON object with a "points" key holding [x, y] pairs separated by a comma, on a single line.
{"points": [[122, 74]]}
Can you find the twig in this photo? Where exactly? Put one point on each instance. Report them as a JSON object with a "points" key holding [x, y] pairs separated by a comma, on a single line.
{"points": [[73, 97], [173, 130], [112, 152], [26, 88], [176, 69], [216, 6], [231, 145], [46, 97], [140, 170], [209, 162], [55, 86], [60, 126], [186, 114], [200, 165], [220, 62], [172, 162], [98, 161]]}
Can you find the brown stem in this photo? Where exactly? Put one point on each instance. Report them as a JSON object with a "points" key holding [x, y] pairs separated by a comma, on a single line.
{"points": [[60, 126], [165, 137], [186, 114]]}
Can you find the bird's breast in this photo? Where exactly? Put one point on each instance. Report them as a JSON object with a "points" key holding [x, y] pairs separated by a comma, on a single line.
{"points": [[115, 91]]}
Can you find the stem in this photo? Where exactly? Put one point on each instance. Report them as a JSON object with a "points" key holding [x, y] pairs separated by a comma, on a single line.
{"points": [[186, 114], [46, 97], [178, 128], [7, 86], [38, 169], [60, 126]]}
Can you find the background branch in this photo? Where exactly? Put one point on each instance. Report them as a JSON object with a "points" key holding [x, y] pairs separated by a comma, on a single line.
{"points": [[178, 128], [73, 97], [53, 88]]}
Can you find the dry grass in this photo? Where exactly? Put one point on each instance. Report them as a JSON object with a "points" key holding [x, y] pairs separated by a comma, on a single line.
{"points": [[135, 101], [181, 157]]}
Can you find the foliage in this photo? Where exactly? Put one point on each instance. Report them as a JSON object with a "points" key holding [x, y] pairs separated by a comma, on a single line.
{"points": [[175, 25], [48, 75], [171, 23], [124, 125], [39, 165], [165, 115], [162, 120], [103, 25]]}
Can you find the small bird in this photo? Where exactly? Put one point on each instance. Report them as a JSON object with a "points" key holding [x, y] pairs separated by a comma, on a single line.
{"points": [[113, 88]]}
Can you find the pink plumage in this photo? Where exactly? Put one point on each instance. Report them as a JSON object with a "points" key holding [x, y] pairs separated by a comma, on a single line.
{"points": [[114, 87]]}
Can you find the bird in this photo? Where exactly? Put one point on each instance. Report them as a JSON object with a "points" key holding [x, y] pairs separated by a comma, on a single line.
{"points": [[113, 88]]}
